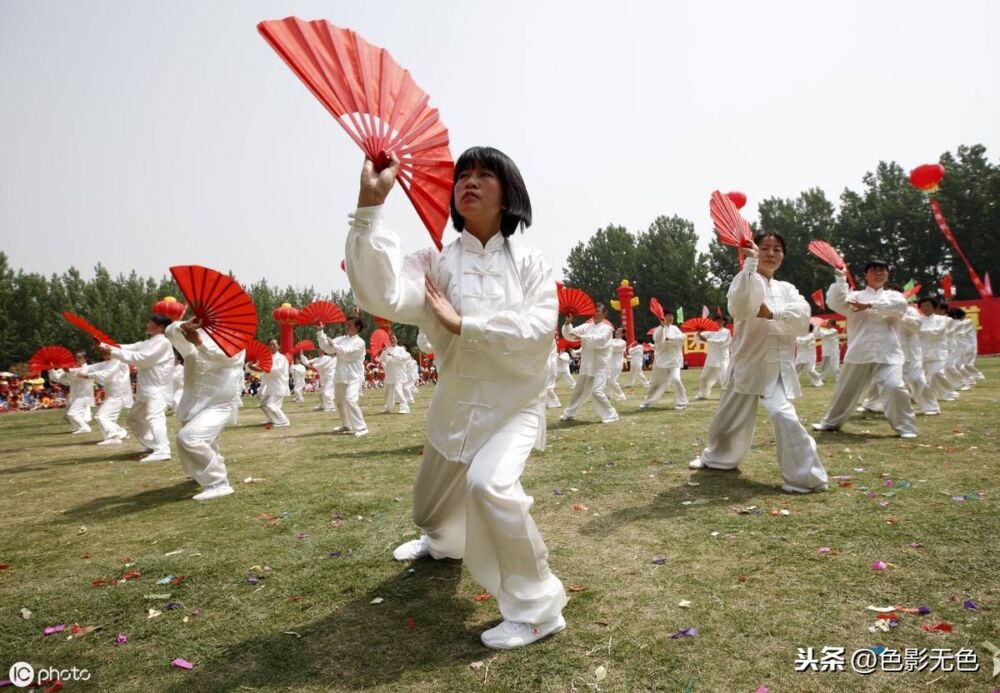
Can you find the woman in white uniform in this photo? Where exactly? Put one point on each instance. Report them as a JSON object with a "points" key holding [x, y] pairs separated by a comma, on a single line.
{"points": [[489, 307]]}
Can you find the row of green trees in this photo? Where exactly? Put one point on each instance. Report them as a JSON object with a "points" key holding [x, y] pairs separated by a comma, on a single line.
{"points": [[887, 219]]}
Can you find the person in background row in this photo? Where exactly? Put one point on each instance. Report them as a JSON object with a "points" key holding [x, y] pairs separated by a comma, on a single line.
{"points": [[636, 361], [80, 398], [298, 382], [968, 344], [717, 361], [326, 367], [154, 373], [768, 316], [913, 363], [116, 380], [933, 344], [805, 357], [553, 369], [177, 382], [595, 337], [393, 359], [274, 387], [349, 376], [617, 363], [830, 344], [668, 343], [564, 372]]}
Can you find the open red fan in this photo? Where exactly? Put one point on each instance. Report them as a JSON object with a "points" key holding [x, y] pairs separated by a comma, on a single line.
{"points": [[564, 344], [321, 312], [97, 334], [377, 103], [378, 341], [225, 311], [49, 357], [656, 309], [699, 324], [825, 252], [258, 353], [383, 323], [304, 345], [574, 302], [730, 226]]}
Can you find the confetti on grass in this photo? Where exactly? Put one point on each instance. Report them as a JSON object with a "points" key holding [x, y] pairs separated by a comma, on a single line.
{"points": [[182, 664]]}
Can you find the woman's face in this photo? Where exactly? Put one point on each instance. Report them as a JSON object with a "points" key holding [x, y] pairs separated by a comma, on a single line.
{"points": [[771, 255], [478, 195]]}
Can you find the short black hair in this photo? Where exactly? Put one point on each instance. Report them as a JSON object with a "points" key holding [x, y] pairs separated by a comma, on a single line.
{"points": [[956, 313], [357, 322], [942, 305], [877, 263], [516, 203], [764, 234], [927, 299], [161, 320]]}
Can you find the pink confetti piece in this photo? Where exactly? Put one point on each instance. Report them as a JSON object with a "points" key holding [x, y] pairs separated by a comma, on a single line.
{"points": [[825, 550], [182, 664], [51, 630], [879, 565], [121, 639], [916, 545]]}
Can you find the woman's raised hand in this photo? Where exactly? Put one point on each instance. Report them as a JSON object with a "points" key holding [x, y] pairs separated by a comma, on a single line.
{"points": [[375, 185]]}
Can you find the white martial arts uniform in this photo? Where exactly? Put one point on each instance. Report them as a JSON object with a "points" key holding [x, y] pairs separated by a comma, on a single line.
{"points": [[617, 363], [326, 366], [412, 373], [484, 417], [564, 373], [763, 351], [298, 381], [595, 369], [79, 399], [347, 379], [177, 383], [668, 359], [551, 398], [969, 344], [273, 390], [717, 361], [956, 377], [116, 380], [913, 364], [393, 361], [154, 375], [212, 381], [636, 357], [874, 355], [829, 339], [805, 358], [933, 343]]}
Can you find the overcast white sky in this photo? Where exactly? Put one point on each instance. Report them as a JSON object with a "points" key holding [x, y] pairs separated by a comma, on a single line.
{"points": [[143, 134]]}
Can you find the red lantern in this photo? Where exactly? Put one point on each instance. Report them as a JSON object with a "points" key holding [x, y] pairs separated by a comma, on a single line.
{"points": [[287, 317], [927, 177], [737, 198], [169, 307]]}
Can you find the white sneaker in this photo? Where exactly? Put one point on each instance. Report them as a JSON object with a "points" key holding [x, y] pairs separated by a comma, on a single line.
{"points": [[76, 433], [907, 436], [362, 432], [110, 441], [822, 427], [788, 488], [511, 634], [155, 457], [696, 463], [412, 550], [932, 412], [614, 420], [680, 407], [214, 491], [565, 418]]}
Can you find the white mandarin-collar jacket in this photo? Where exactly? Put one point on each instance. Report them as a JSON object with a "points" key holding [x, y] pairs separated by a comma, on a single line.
{"points": [[275, 383], [872, 334], [153, 359], [805, 349], [114, 377], [932, 337], [763, 350], [717, 347], [79, 387], [830, 338], [668, 347], [325, 365], [909, 335], [595, 345], [211, 378], [350, 356], [506, 295], [618, 347], [394, 362], [636, 353]]}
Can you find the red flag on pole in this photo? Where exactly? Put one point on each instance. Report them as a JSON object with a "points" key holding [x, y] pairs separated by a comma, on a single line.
{"points": [[817, 297], [987, 285], [946, 230], [946, 286]]}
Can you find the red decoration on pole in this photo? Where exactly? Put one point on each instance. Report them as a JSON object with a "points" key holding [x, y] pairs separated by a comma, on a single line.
{"points": [[927, 177], [287, 318], [627, 300], [817, 297], [737, 198], [170, 307], [946, 230], [947, 288]]}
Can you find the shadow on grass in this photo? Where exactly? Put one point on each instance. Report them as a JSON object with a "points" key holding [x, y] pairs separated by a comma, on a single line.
{"points": [[360, 645], [714, 488], [121, 457], [111, 507], [408, 451]]}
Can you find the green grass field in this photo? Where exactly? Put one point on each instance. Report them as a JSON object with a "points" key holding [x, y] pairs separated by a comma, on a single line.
{"points": [[319, 526]]}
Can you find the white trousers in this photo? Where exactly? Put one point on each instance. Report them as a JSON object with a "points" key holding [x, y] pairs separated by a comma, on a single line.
{"points": [[731, 433], [566, 376], [664, 378], [856, 379], [810, 368], [271, 406], [920, 389], [551, 398], [938, 380], [107, 417], [636, 376], [709, 377], [148, 423], [198, 444], [78, 414], [328, 396], [587, 387], [395, 393], [831, 366], [346, 395], [614, 388], [478, 512], [297, 393]]}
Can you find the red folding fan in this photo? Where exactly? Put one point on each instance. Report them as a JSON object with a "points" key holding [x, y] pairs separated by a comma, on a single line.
{"points": [[97, 334], [383, 323], [304, 345], [321, 312], [699, 324], [730, 225], [378, 341], [50, 357], [656, 309], [564, 344], [574, 302], [377, 103], [825, 252], [258, 353], [225, 311]]}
